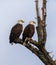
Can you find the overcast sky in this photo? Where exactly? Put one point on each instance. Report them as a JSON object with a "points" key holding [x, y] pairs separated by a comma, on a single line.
{"points": [[10, 12]]}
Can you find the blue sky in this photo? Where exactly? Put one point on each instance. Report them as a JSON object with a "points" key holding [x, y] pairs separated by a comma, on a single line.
{"points": [[10, 12]]}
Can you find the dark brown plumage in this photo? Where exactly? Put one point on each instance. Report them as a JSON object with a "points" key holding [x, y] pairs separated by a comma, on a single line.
{"points": [[28, 32], [15, 32]]}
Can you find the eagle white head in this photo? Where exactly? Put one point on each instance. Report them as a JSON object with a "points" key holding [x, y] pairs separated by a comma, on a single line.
{"points": [[32, 22], [20, 21]]}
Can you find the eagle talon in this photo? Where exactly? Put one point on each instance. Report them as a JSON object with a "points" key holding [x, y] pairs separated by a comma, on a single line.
{"points": [[11, 43], [24, 44], [28, 39]]}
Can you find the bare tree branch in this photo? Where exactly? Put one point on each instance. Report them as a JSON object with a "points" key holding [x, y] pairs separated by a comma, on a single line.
{"points": [[38, 10], [44, 11], [41, 27], [43, 55], [44, 21], [33, 49]]}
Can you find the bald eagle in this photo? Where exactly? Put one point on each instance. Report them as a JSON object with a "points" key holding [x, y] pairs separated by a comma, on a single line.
{"points": [[28, 31], [16, 31]]}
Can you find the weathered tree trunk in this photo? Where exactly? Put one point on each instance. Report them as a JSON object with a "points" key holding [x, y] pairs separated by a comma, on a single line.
{"points": [[40, 50]]}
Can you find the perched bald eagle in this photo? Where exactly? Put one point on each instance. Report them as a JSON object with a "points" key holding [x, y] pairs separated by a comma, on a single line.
{"points": [[28, 31], [16, 31]]}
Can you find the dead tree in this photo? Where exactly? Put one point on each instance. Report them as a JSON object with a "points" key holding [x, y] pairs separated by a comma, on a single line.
{"points": [[39, 45]]}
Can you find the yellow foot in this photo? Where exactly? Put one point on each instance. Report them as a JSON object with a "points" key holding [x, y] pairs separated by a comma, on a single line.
{"points": [[24, 44], [28, 39]]}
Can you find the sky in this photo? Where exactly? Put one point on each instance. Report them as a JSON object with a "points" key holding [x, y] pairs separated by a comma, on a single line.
{"points": [[10, 12]]}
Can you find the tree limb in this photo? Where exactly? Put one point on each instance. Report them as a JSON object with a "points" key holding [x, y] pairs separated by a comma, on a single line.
{"points": [[38, 11], [44, 11], [33, 49], [44, 56]]}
